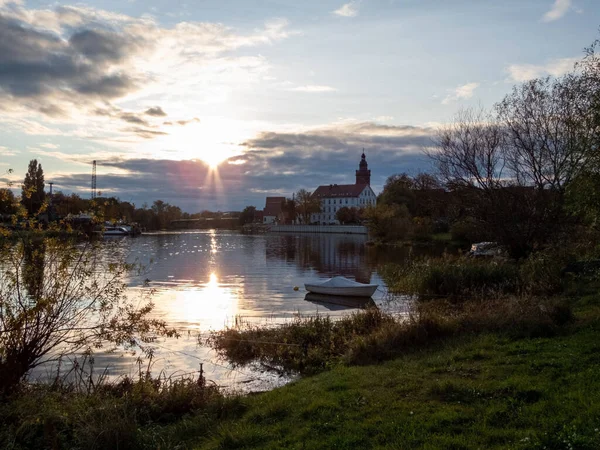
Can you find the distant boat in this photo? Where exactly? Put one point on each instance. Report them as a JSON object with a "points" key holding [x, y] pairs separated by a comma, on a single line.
{"points": [[342, 287], [337, 302], [119, 229], [116, 231]]}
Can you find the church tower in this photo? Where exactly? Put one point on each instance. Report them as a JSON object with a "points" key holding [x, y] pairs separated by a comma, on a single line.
{"points": [[363, 174]]}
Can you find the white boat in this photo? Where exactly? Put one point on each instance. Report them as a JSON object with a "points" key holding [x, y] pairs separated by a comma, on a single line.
{"points": [[342, 286], [116, 231]]}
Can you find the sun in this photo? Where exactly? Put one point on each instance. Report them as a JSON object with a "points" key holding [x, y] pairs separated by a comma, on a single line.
{"points": [[211, 140]]}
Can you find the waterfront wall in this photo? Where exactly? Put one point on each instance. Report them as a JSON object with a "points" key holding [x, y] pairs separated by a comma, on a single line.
{"points": [[339, 229]]}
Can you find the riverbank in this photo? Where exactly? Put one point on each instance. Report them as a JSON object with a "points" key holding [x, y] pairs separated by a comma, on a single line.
{"points": [[474, 390], [523, 386], [481, 391]]}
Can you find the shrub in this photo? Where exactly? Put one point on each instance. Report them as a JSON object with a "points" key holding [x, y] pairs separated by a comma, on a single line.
{"points": [[455, 278], [541, 273], [469, 230], [128, 414], [422, 228], [305, 345]]}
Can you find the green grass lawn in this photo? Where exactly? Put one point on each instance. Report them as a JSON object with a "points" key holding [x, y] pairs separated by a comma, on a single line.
{"points": [[485, 391]]}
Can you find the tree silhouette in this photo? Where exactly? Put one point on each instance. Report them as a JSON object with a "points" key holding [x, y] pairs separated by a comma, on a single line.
{"points": [[33, 196]]}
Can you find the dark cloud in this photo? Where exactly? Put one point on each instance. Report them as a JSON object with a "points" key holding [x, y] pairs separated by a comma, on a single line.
{"points": [[101, 46], [155, 111], [273, 164], [39, 64], [133, 118], [144, 132], [182, 122]]}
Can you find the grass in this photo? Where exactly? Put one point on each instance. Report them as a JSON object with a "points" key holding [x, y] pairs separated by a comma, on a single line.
{"points": [[455, 278], [130, 414], [484, 390], [460, 278]]}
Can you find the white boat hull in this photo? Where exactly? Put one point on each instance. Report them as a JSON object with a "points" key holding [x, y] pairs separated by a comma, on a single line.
{"points": [[342, 287]]}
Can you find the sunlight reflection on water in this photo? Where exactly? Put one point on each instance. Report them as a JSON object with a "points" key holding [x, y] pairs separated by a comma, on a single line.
{"points": [[207, 280]]}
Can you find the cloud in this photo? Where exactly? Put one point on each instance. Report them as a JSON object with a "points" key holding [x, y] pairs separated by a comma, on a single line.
{"points": [[145, 132], [80, 158], [556, 67], [155, 111], [313, 88], [182, 122], [64, 65], [460, 92], [4, 151], [559, 9], [49, 145], [271, 163], [347, 10]]}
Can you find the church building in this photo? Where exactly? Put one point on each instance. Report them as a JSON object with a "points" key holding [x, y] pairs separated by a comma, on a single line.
{"points": [[336, 196]]}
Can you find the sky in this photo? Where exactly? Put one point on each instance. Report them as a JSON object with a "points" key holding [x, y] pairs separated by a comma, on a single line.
{"points": [[216, 104]]}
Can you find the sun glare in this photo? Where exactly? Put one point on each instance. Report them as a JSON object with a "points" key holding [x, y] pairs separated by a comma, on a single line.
{"points": [[211, 140]]}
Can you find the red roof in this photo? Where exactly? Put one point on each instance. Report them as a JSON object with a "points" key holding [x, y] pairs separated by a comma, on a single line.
{"points": [[273, 206], [340, 190]]}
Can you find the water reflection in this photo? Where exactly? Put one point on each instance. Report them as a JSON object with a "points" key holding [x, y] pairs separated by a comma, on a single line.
{"points": [[34, 255], [337, 303], [206, 280], [195, 306]]}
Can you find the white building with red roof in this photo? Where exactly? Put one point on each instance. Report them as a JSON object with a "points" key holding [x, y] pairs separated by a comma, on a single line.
{"points": [[336, 196]]}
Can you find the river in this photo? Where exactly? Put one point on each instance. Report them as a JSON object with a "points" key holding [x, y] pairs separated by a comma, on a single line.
{"points": [[206, 280]]}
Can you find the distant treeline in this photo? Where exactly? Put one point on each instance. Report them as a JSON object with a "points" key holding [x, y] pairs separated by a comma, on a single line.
{"points": [[157, 216]]}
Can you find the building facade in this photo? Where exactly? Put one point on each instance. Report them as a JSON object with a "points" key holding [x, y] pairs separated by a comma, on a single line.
{"points": [[333, 197], [273, 209]]}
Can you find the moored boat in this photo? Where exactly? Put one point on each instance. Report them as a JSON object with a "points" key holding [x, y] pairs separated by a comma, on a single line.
{"points": [[343, 287], [338, 302], [116, 231]]}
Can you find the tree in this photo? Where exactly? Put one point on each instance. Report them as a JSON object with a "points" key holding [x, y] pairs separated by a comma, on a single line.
{"points": [[514, 165], [398, 190], [288, 208], [8, 202], [33, 195], [548, 135], [59, 298], [388, 222], [247, 215], [307, 204], [347, 215]]}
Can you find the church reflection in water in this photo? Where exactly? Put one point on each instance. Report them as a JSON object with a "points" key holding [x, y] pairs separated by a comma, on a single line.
{"points": [[329, 255]]}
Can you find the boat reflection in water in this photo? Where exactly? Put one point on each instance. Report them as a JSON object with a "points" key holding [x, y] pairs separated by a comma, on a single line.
{"points": [[338, 303]]}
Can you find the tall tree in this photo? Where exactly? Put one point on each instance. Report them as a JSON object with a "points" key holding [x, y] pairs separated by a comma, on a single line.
{"points": [[307, 204], [33, 195], [247, 215], [288, 207]]}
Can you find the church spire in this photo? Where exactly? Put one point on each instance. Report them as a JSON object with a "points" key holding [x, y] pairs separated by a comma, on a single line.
{"points": [[363, 174]]}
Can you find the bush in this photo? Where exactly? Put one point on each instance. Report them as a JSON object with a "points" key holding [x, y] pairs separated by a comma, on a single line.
{"points": [[470, 231], [130, 414], [455, 278], [422, 228], [541, 273], [306, 345]]}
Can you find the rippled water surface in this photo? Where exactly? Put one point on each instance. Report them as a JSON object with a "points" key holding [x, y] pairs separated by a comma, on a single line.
{"points": [[206, 280]]}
